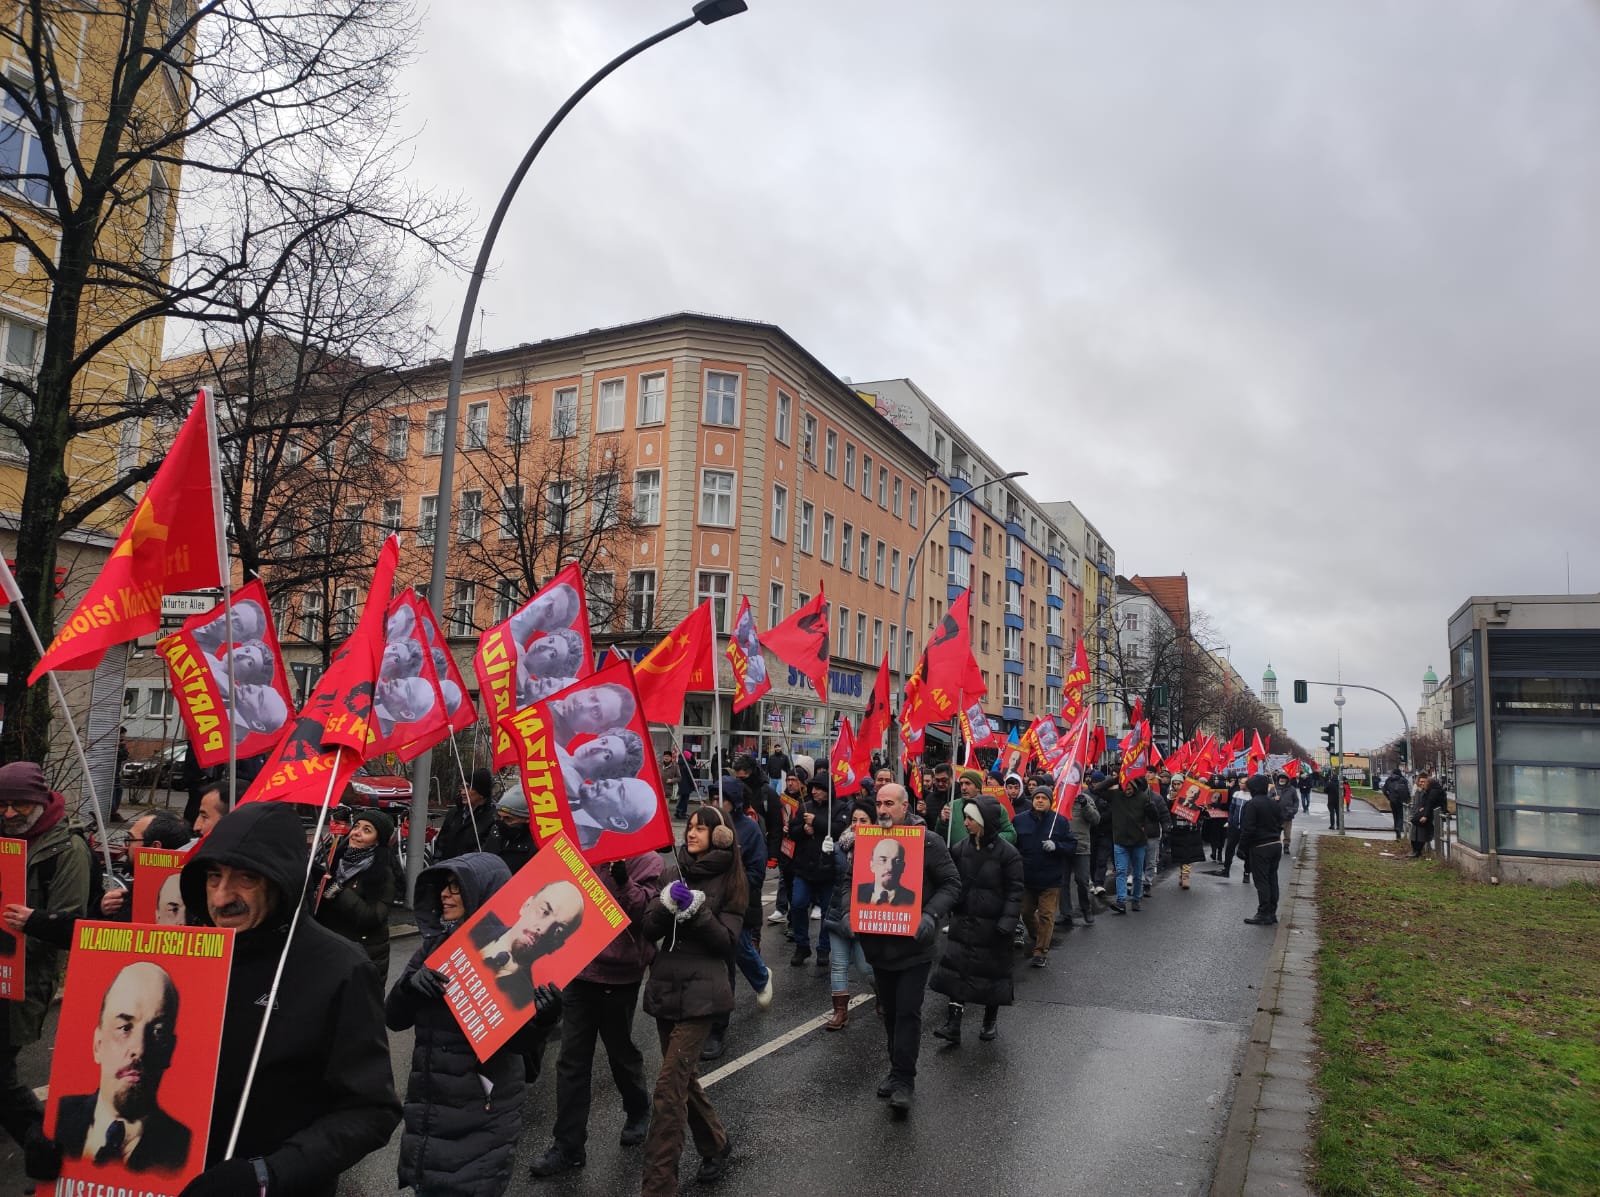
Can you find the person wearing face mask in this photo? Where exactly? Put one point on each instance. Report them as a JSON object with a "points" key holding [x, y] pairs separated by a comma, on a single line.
{"points": [[514, 843], [323, 1095], [358, 886], [58, 882], [695, 923], [462, 1116]]}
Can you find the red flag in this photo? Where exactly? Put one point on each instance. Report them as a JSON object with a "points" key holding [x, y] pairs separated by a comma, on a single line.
{"points": [[1097, 743], [1138, 712], [197, 657], [1179, 758], [1235, 745], [976, 728], [1072, 764], [802, 641], [1136, 756], [874, 720], [544, 647], [1291, 770], [1258, 753], [667, 672], [410, 708], [1072, 686], [846, 780], [457, 702], [333, 731], [750, 677], [951, 667], [169, 545]]}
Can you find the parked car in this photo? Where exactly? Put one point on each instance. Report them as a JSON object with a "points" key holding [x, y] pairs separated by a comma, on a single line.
{"points": [[158, 770], [369, 787]]}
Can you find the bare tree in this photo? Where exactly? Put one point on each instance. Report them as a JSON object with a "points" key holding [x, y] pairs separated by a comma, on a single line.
{"points": [[253, 99]]}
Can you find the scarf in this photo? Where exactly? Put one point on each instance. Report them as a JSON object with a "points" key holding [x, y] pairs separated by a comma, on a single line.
{"points": [[353, 862], [54, 811]]}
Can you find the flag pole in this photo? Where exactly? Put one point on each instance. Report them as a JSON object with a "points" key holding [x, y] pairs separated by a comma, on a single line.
{"points": [[714, 757], [14, 593], [277, 976], [226, 576]]}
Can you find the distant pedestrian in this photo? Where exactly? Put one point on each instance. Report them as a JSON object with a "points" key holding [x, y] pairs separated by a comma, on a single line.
{"points": [[1048, 848], [1214, 826], [1431, 804], [1236, 803], [355, 889], [1100, 845], [1131, 813], [1335, 792], [1186, 843], [1260, 837], [1288, 796], [813, 837], [1303, 783], [1085, 823], [752, 848], [1398, 792]]}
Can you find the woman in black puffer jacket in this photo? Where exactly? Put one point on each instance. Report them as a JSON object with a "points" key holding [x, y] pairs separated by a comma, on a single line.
{"points": [[696, 922], [459, 1131], [359, 889], [976, 965]]}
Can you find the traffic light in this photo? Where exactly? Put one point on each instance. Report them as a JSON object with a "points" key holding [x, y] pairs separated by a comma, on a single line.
{"points": [[1299, 690], [1329, 735], [1405, 754]]}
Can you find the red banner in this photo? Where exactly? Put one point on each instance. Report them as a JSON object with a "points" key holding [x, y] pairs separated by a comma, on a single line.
{"points": [[408, 706], [1072, 686], [977, 729], [198, 658], [457, 702], [802, 641], [588, 768], [543, 927], [134, 996], [886, 880], [750, 677], [1191, 800], [156, 898], [874, 721], [13, 889], [543, 648], [681, 662]]}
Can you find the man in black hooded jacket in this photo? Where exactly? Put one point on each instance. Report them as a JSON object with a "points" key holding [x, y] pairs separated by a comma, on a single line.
{"points": [[323, 1095]]}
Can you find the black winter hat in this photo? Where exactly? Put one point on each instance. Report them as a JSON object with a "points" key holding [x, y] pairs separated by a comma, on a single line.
{"points": [[1258, 784]]}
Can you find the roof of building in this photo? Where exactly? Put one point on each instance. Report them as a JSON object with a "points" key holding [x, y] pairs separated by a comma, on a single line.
{"points": [[1269, 676], [1430, 677], [1171, 593]]}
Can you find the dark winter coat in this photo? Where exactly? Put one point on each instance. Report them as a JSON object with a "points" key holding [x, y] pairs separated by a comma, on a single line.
{"points": [[1261, 823], [1085, 821], [323, 1096], [1130, 814], [976, 965], [1396, 790], [459, 1133], [1043, 869], [836, 918], [1186, 840], [1430, 804], [513, 844], [753, 855], [360, 911], [58, 882], [941, 886], [810, 861], [768, 807], [623, 961], [456, 837], [689, 978]]}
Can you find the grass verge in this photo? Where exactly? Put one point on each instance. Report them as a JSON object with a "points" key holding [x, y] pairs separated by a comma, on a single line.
{"points": [[1460, 1028]]}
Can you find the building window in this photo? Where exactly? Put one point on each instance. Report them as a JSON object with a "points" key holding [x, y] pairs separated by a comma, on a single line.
{"points": [[907, 647], [311, 615], [883, 487], [808, 440], [844, 632], [510, 510], [866, 476], [847, 546], [714, 586], [722, 398], [988, 542], [807, 517], [605, 502], [647, 496], [131, 431], [344, 611], [827, 537], [960, 567], [877, 640], [983, 636], [505, 599], [783, 417], [153, 245], [317, 533], [392, 515], [861, 636], [433, 434], [427, 518], [360, 444], [911, 508], [894, 570], [477, 426], [780, 513], [983, 592], [463, 608], [557, 507], [1013, 690], [20, 365], [1014, 644], [850, 465], [866, 554], [399, 437], [469, 521], [830, 453], [601, 593], [899, 490], [775, 608], [564, 413], [716, 498], [652, 399], [879, 554], [642, 600], [608, 409], [351, 527], [23, 168], [519, 419], [894, 644]]}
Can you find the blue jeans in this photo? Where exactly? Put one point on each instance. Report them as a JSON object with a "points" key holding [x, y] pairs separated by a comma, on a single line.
{"points": [[1130, 860], [748, 958], [844, 954], [804, 895]]}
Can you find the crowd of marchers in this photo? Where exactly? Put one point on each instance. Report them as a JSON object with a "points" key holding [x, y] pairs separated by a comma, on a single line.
{"points": [[1014, 877]]}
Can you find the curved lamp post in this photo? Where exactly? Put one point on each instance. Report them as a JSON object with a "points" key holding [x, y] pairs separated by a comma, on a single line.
{"points": [[706, 12]]}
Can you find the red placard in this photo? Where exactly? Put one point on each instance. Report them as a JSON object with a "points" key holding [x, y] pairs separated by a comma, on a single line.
{"points": [[543, 927], [886, 881], [13, 888], [588, 768], [1191, 800], [136, 1047], [750, 677], [155, 887], [791, 807]]}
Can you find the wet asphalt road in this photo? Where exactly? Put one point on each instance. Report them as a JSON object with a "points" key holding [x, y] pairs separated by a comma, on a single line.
{"points": [[1113, 1072]]}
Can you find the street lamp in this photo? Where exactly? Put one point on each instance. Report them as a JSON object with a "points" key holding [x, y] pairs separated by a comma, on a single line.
{"points": [[706, 12], [905, 603], [1338, 701]]}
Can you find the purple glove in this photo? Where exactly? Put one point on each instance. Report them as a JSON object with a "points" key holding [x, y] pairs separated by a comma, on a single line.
{"points": [[682, 895]]}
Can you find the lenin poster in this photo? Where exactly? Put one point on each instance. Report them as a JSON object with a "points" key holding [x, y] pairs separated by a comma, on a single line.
{"points": [[543, 927], [588, 768], [886, 881], [1191, 799], [13, 889], [136, 1056], [155, 887]]}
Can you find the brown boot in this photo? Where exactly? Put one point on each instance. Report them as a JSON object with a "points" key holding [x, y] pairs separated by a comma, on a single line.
{"points": [[841, 1012]]}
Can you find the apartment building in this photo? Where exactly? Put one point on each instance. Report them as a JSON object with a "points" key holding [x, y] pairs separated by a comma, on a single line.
{"points": [[1099, 598]]}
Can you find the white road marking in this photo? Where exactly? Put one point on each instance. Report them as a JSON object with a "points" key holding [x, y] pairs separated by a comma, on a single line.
{"points": [[766, 1049]]}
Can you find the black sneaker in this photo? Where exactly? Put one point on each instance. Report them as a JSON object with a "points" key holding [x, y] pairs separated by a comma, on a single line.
{"points": [[555, 1161], [886, 1089], [714, 1167], [714, 1046], [900, 1099], [801, 955], [635, 1129], [1118, 908]]}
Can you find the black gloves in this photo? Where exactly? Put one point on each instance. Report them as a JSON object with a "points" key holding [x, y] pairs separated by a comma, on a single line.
{"points": [[926, 930], [231, 1178], [545, 996], [619, 873], [41, 1156], [428, 983]]}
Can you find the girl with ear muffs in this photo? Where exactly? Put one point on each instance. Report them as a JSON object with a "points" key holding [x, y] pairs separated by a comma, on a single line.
{"points": [[695, 923]]}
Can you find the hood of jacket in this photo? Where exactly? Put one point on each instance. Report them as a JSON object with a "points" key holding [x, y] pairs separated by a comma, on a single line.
{"points": [[264, 837], [991, 817], [481, 875]]}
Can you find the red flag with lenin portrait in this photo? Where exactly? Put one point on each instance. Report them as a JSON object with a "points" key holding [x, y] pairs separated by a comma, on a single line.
{"points": [[1136, 754], [543, 647], [409, 706], [802, 641], [670, 670], [874, 721], [457, 702], [976, 728], [846, 780], [198, 658], [334, 731], [1072, 764], [169, 545], [750, 678], [589, 770]]}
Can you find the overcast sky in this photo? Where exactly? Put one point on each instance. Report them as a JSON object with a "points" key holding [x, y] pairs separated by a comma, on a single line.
{"points": [[1299, 299]]}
